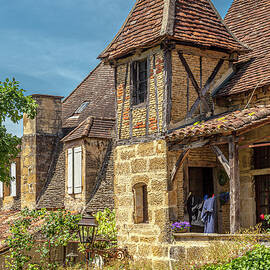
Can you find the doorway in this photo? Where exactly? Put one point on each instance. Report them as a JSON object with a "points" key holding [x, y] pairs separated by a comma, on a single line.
{"points": [[201, 183], [262, 185]]}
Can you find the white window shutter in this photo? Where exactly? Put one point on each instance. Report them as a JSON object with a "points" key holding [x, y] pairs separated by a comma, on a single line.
{"points": [[77, 170], [1, 189], [13, 180], [70, 171]]}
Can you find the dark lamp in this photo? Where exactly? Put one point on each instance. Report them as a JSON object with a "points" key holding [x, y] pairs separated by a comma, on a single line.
{"points": [[87, 229]]}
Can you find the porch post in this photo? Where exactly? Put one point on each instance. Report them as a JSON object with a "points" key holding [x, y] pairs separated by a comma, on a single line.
{"points": [[234, 185]]}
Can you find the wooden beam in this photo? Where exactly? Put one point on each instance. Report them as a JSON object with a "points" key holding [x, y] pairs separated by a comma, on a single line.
{"points": [[192, 145], [222, 159], [123, 103], [193, 81], [156, 92], [234, 185], [178, 163], [206, 87]]}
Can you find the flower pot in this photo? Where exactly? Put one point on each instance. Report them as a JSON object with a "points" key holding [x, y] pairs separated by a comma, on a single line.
{"points": [[181, 230]]}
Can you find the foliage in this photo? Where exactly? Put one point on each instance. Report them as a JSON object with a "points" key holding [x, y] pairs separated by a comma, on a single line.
{"points": [[13, 104], [258, 258], [106, 224], [54, 228]]}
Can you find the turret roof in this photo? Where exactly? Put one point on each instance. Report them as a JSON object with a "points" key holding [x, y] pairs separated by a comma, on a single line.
{"points": [[194, 22]]}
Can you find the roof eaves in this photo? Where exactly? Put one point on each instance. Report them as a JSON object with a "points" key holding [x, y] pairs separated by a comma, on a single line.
{"points": [[66, 138]]}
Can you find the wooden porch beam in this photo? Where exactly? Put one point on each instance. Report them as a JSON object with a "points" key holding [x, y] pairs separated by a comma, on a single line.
{"points": [[222, 159], [193, 81], [178, 164], [192, 145], [234, 185]]}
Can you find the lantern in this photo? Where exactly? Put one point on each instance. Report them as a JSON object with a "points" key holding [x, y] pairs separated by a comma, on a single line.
{"points": [[87, 230]]}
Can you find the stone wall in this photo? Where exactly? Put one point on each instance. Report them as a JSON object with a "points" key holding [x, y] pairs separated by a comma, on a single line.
{"points": [[183, 92], [142, 119], [97, 175], [102, 195], [38, 145], [143, 163], [52, 194]]}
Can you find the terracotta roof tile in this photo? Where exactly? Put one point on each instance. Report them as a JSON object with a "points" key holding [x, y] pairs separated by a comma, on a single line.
{"points": [[249, 20], [188, 21], [226, 123], [92, 128], [98, 89]]}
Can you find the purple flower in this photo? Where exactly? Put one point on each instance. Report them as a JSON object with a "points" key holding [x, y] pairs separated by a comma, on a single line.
{"points": [[178, 226]]}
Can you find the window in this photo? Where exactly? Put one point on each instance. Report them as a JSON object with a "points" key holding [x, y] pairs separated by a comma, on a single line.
{"points": [[82, 107], [75, 170], [262, 157], [139, 81], [13, 192], [262, 184], [140, 203]]}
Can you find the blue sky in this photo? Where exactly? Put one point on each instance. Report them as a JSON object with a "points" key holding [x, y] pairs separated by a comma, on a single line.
{"points": [[50, 46]]}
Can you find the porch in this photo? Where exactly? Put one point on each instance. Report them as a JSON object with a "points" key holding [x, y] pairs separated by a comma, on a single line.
{"points": [[232, 156]]}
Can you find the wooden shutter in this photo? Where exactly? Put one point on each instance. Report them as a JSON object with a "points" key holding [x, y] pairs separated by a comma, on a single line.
{"points": [[138, 192], [13, 180], [70, 171], [77, 170], [1, 189]]}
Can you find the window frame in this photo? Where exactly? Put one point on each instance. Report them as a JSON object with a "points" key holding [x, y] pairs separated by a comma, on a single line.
{"points": [[74, 184], [137, 82], [140, 190], [13, 183]]}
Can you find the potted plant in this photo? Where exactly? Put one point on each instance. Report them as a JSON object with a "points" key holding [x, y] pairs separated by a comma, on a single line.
{"points": [[180, 227]]}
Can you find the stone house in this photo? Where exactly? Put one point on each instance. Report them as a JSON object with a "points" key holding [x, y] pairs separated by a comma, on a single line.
{"points": [[66, 152], [192, 117], [190, 97]]}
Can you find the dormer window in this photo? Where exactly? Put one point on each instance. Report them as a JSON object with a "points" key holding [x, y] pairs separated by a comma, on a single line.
{"points": [[82, 107], [139, 81]]}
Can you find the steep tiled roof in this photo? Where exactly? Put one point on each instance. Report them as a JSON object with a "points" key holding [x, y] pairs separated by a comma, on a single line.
{"points": [[188, 21], [250, 22], [98, 89], [226, 123], [92, 128]]}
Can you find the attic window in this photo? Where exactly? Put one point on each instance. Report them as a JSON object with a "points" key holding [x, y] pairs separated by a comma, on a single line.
{"points": [[82, 107], [139, 81]]}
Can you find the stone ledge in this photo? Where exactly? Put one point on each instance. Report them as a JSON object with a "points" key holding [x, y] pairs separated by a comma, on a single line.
{"points": [[215, 236]]}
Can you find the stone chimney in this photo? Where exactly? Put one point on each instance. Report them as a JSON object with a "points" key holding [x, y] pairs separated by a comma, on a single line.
{"points": [[40, 137]]}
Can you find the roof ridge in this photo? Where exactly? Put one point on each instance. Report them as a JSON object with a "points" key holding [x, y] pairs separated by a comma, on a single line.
{"points": [[89, 123], [168, 18], [121, 29], [91, 72]]}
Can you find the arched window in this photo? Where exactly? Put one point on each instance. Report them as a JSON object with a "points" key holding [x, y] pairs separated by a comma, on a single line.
{"points": [[140, 203]]}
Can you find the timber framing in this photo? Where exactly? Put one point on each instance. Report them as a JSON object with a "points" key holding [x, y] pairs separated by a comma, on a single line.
{"points": [[123, 102]]}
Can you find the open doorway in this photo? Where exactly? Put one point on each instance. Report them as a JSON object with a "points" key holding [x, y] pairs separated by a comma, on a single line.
{"points": [[201, 183]]}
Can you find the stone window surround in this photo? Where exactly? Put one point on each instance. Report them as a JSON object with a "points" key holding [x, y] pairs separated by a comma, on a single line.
{"points": [[140, 194]]}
